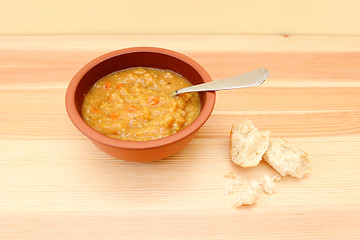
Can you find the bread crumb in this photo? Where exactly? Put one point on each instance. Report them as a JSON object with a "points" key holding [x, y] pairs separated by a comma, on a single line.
{"points": [[248, 144], [276, 177], [229, 188], [249, 197], [239, 182], [230, 175], [268, 185], [287, 159]]}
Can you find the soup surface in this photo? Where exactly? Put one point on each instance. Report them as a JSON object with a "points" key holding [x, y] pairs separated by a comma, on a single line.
{"points": [[135, 104]]}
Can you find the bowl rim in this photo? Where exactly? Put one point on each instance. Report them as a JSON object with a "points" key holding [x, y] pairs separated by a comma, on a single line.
{"points": [[92, 134]]}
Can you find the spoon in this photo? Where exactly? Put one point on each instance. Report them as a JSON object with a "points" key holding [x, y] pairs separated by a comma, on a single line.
{"points": [[249, 79]]}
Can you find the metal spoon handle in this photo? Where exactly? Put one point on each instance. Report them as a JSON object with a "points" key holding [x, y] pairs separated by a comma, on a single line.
{"points": [[250, 79]]}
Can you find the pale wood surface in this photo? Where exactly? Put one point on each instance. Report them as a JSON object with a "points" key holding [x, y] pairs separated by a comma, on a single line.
{"points": [[54, 184]]}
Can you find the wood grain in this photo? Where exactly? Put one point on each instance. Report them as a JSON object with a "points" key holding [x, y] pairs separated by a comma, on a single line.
{"points": [[55, 184]]}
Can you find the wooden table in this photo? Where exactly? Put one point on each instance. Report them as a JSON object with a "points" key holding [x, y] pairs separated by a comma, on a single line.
{"points": [[55, 184]]}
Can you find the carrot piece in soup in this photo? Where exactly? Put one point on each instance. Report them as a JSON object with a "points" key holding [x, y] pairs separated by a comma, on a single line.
{"points": [[131, 109], [94, 110], [107, 86], [153, 100], [114, 116]]}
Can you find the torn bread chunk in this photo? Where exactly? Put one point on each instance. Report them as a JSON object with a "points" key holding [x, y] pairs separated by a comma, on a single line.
{"points": [[248, 144], [249, 197], [287, 159]]}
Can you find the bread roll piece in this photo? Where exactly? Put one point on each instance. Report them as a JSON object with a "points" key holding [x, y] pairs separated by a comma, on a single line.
{"points": [[248, 144], [249, 197], [287, 159]]}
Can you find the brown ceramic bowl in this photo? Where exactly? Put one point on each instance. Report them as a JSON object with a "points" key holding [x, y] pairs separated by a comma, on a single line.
{"points": [[145, 151]]}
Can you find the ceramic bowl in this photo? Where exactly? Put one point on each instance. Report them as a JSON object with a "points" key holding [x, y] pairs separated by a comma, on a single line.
{"points": [[141, 151]]}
